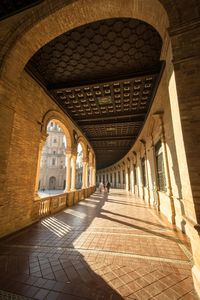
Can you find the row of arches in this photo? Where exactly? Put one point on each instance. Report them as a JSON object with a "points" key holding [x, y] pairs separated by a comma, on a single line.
{"points": [[66, 161]]}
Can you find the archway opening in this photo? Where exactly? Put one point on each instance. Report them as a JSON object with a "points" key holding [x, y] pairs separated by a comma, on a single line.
{"points": [[52, 179], [79, 167]]}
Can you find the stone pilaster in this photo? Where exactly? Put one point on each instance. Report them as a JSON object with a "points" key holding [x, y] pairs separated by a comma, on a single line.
{"points": [[186, 60], [156, 196], [41, 145], [166, 167]]}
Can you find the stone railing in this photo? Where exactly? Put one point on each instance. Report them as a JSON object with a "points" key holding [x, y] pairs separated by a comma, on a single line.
{"points": [[52, 204]]}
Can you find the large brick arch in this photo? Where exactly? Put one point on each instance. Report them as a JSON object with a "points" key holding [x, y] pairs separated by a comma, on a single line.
{"points": [[71, 16], [178, 12]]}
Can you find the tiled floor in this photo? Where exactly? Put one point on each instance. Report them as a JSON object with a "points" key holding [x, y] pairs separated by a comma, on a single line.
{"points": [[107, 247]]}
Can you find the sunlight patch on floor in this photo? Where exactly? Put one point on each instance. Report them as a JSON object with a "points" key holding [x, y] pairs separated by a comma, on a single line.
{"points": [[75, 213], [57, 227]]}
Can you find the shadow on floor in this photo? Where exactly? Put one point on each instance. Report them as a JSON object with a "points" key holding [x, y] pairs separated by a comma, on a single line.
{"points": [[40, 262]]}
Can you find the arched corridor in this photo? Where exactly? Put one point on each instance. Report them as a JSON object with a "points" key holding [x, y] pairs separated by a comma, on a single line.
{"points": [[119, 79], [109, 246]]}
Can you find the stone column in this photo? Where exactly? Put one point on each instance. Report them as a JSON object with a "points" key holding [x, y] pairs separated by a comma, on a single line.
{"points": [[68, 173], [116, 172], [147, 173], [140, 185], [41, 145], [85, 165], [113, 180], [117, 182], [121, 178], [73, 175], [91, 174], [136, 180], [86, 176], [126, 177], [131, 177]]}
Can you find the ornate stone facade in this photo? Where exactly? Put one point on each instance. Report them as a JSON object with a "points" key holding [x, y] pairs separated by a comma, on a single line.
{"points": [[52, 163]]}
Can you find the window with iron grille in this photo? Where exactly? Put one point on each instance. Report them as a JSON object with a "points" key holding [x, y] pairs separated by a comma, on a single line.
{"points": [[160, 167], [144, 181]]}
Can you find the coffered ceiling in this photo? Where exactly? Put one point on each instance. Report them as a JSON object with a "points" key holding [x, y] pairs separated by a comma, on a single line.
{"points": [[104, 75]]}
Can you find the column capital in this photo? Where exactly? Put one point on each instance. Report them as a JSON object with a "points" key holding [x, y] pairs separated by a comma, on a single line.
{"points": [[85, 161], [72, 150], [68, 154], [74, 155]]}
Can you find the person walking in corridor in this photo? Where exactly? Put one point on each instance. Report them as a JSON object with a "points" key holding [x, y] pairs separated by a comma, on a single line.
{"points": [[108, 186], [101, 187]]}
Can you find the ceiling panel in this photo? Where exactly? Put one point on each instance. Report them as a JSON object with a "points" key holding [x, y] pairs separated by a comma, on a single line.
{"points": [[104, 76]]}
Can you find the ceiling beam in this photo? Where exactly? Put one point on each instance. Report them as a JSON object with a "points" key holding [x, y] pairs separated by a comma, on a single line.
{"points": [[113, 148], [119, 78], [113, 119], [112, 138]]}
